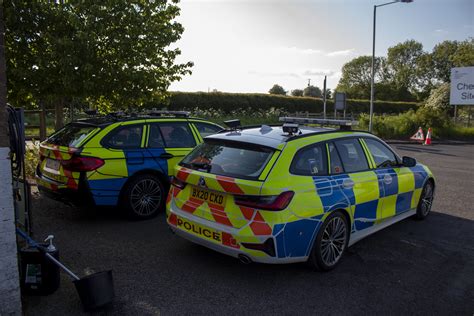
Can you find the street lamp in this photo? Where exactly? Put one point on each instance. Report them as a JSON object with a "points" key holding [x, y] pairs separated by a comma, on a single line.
{"points": [[373, 60]]}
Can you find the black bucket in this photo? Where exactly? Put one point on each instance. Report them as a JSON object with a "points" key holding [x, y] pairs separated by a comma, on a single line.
{"points": [[96, 290]]}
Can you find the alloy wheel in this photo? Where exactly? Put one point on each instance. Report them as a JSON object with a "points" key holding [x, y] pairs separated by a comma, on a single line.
{"points": [[427, 199], [333, 241], [146, 197]]}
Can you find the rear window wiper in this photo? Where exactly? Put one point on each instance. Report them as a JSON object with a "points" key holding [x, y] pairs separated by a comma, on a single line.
{"points": [[201, 166]]}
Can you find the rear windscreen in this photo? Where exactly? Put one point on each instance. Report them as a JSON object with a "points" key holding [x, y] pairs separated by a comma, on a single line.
{"points": [[231, 159], [70, 135]]}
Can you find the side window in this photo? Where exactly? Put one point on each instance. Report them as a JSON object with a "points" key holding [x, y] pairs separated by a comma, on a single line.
{"points": [[352, 155], [177, 134], [383, 156], [206, 129], [336, 164], [310, 161], [155, 140], [129, 136]]}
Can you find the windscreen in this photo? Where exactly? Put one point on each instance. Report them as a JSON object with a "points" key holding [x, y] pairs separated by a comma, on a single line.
{"points": [[232, 159], [70, 135]]}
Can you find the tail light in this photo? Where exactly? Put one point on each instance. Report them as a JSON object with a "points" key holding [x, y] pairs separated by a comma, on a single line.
{"points": [[178, 183], [77, 163], [265, 202]]}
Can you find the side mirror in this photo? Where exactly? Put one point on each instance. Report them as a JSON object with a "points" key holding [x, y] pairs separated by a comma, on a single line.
{"points": [[408, 161]]}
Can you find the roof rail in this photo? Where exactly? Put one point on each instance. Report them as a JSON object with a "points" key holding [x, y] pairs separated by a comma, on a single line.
{"points": [[154, 112], [343, 124]]}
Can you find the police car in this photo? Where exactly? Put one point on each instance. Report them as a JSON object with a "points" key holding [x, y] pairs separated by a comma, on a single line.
{"points": [[118, 159], [281, 194]]}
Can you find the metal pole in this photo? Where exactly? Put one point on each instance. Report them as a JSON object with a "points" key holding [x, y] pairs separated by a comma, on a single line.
{"points": [[373, 73], [324, 98], [455, 113], [469, 117]]}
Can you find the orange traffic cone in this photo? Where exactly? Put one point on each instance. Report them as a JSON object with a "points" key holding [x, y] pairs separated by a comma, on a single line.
{"points": [[428, 137], [418, 136]]}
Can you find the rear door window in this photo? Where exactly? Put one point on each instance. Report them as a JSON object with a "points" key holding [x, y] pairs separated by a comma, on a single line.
{"points": [[71, 135], [352, 155], [206, 129], [128, 136], [155, 140], [336, 164], [310, 161], [177, 134], [233, 159]]}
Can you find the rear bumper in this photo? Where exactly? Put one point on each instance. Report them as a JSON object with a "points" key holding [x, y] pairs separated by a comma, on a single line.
{"points": [[57, 191], [234, 250]]}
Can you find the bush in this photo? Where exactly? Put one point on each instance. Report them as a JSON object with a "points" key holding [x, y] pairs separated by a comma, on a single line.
{"points": [[31, 158], [228, 102], [404, 125]]}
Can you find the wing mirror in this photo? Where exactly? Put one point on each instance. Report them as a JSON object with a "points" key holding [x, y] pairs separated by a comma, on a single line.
{"points": [[408, 161]]}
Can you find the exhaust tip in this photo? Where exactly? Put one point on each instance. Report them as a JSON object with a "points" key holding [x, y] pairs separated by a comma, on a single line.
{"points": [[244, 259]]}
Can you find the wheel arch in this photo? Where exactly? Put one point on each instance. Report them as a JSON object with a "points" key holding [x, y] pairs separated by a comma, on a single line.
{"points": [[430, 179]]}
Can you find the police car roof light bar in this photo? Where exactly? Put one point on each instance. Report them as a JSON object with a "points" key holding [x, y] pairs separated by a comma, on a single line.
{"points": [[343, 124], [233, 124], [154, 112]]}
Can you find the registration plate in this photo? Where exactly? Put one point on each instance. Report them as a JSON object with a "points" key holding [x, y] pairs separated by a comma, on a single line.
{"points": [[208, 196], [52, 164], [198, 230]]}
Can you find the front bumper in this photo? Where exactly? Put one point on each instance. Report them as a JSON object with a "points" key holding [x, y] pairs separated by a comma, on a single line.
{"points": [[234, 249]]}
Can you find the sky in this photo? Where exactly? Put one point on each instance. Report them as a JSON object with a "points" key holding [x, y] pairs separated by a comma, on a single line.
{"points": [[250, 45]]}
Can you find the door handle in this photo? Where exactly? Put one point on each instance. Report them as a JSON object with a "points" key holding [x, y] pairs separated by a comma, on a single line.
{"points": [[387, 179], [348, 183], [166, 156]]}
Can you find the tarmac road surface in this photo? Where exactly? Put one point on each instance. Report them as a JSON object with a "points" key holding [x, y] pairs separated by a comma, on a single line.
{"points": [[412, 267]]}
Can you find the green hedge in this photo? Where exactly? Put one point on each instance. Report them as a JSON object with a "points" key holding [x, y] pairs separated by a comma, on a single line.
{"points": [[228, 102]]}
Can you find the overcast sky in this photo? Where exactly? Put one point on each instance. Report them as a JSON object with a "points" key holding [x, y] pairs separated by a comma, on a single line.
{"points": [[249, 45]]}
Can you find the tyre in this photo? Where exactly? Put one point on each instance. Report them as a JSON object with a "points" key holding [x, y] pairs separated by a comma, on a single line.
{"points": [[426, 200], [144, 197], [331, 242]]}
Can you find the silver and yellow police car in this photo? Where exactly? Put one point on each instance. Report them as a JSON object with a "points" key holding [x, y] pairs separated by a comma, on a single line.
{"points": [[293, 193]]}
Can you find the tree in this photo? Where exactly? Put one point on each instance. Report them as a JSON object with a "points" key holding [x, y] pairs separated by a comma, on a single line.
{"points": [[464, 55], [58, 51], [402, 63], [297, 93], [439, 98], [328, 93], [357, 74], [277, 89], [441, 59], [312, 91], [4, 141]]}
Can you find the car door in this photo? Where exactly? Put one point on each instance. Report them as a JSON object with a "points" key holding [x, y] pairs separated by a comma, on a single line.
{"points": [[127, 138], [122, 150], [169, 141], [397, 181], [351, 169]]}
